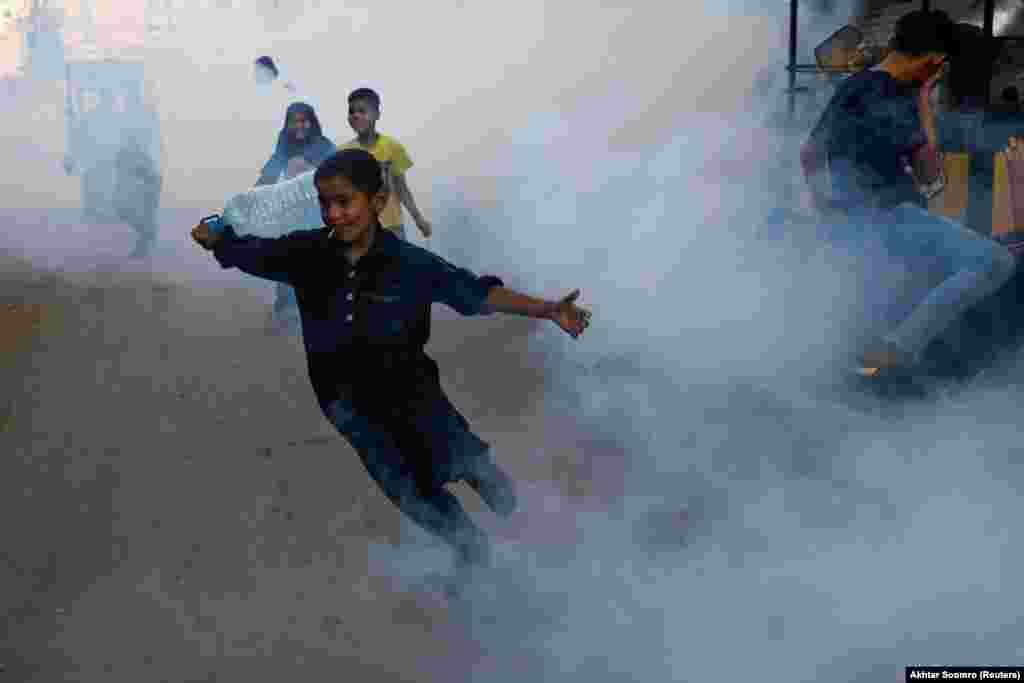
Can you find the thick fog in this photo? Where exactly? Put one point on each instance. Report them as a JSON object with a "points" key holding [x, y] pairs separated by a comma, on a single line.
{"points": [[771, 524]]}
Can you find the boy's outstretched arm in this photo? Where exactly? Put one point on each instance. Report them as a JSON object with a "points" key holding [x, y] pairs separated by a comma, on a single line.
{"points": [[565, 313], [468, 294], [270, 259]]}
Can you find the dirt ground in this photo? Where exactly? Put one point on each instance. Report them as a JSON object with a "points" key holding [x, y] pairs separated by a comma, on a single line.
{"points": [[177, 508]]}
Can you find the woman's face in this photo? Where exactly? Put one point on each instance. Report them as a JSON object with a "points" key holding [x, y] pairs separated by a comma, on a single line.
{"points": [[298, 126]]}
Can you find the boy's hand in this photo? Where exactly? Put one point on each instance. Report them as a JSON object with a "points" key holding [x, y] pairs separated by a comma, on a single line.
{"points": [[425, 227], [205, 237], [569, 316]]}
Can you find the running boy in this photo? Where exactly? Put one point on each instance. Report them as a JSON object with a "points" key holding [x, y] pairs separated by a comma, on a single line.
{"points": [[363, 114], [364, 298]]}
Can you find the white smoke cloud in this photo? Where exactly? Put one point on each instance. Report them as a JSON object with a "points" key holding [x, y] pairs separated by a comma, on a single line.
{"points": [[824, 541]]}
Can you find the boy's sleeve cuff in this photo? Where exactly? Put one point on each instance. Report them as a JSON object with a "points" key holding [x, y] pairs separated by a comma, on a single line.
{"points": [[487, 283], [222, 250]]}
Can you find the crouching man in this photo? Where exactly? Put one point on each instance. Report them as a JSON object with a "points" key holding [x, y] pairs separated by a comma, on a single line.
{"points": [[873, 161]]}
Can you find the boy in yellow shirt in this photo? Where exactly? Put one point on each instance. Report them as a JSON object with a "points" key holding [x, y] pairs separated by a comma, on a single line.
{"points": [[363, 113]]}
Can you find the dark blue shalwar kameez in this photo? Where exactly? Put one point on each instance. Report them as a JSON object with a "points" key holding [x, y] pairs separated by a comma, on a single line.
{"points": [[365, 328]]}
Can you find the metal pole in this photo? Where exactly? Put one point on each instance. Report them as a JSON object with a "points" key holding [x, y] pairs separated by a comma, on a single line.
{"points": [[792, 58], [989, 29]]}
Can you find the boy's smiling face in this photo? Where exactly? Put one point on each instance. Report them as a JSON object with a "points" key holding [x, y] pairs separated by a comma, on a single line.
{"points": [[362, 116], [350, 212]]}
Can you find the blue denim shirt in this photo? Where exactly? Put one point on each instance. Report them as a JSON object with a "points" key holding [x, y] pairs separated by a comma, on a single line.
{"points": [[364, 326], [867, 132]]}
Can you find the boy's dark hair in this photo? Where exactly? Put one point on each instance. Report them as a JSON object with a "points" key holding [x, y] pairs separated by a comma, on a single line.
{"points": [[365, 94], [267, 63], [358, 166], [922, 31]]}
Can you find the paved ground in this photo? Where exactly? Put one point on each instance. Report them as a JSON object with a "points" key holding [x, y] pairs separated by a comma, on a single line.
{"points": [[177, 509]]}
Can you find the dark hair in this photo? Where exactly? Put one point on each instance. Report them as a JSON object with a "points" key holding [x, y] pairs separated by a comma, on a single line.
{"points": [[365, 94], [1011, 94], [919, 32], [267, 63], [356, 165]]}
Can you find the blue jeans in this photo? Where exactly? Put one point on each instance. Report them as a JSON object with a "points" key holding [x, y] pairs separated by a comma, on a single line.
{"points": [[412, 473], [972, 266]]}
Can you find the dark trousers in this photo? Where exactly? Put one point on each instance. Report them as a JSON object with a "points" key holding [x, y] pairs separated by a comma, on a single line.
{"points": [[413, 461]]}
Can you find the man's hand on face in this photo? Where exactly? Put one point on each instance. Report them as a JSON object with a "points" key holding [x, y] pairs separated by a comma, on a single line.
{"points": [[929, 84], [205, 237]]}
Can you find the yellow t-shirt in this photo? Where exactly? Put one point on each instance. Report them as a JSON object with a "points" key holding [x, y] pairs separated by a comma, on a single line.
{"points": [[395, 160]]}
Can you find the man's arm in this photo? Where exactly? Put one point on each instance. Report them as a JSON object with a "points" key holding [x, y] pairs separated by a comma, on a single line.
{"points": [[926, 159], [814, 163]]}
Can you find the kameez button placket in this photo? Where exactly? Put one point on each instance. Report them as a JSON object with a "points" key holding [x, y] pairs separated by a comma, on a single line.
{"points": [[350, 297]]}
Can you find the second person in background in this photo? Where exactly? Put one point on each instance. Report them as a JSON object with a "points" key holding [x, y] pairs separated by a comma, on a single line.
{"points": [[301, 146], [363, 114]]}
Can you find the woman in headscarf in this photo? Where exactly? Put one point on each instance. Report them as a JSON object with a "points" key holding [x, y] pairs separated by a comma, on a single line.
{"points": [[301, 146]]}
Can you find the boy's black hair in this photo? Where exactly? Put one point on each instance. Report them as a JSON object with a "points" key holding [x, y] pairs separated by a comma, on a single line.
{"points": [[267, 63], [358, 166], [367, 94], [922, 31]]}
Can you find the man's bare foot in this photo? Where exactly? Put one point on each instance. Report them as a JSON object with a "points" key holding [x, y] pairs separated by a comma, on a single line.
{"points": [[882, 360]]}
